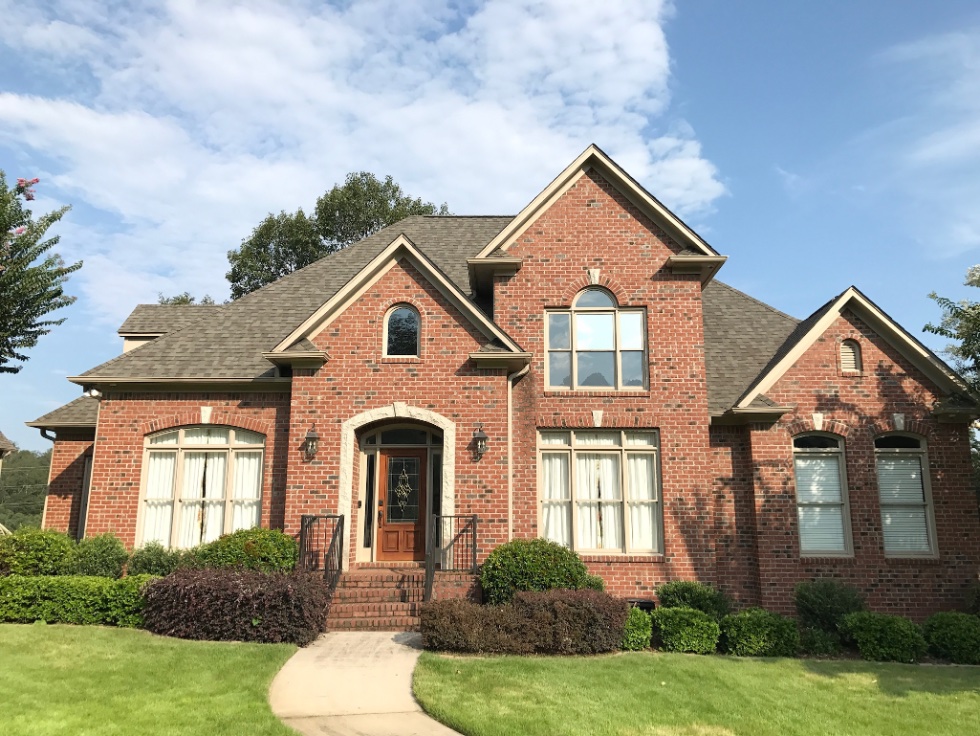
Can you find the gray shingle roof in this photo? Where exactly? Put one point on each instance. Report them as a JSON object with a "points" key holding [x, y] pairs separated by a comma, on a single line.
{"points": [[6, 446], [82, 412], [159, 319]]}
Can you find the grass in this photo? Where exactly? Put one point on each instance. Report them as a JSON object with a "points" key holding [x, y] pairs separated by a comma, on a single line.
{"points": [[656, 694], [94, 681]]}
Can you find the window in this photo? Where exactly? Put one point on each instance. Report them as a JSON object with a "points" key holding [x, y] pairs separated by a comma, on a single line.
{"points": [[596, 345], [600, 490], [850, 356], [201, 482], [821, 495], [402, 332], [906, 514]]}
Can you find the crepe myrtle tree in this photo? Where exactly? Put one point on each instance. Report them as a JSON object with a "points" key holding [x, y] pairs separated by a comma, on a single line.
{"points": [[31, 277]]}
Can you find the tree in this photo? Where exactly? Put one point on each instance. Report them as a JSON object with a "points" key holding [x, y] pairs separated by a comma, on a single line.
{"points": [[283, 243], [184, 299], [961, 322], [31, 279], [23, 485]]}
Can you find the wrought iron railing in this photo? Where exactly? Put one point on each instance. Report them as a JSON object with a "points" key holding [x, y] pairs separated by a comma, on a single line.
{"points": [[321, 540], [450, 547]]}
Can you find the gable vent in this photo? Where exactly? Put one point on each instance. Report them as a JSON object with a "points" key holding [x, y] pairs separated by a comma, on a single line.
{"points": [[850, 356]]}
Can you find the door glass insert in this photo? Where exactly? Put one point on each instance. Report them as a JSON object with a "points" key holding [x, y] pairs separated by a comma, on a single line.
{"points": [[402, 500]]}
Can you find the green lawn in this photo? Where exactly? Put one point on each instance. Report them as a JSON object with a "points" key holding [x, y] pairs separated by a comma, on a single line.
{"points": [[656, 694], [94, 681]]}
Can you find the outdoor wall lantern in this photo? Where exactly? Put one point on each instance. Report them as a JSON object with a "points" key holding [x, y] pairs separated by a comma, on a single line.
{"points": [[480, 440], [312, 443]]}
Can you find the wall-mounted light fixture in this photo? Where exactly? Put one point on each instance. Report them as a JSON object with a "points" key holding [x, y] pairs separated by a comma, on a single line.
{"points": [[312, 443], [480, 441], [92, 392]]}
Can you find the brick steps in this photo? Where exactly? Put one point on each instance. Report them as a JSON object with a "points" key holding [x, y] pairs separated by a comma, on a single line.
{"points": [[381, 623]]}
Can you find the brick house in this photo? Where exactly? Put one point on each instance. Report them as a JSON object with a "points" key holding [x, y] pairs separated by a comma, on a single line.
{"points": [[575, 372]]}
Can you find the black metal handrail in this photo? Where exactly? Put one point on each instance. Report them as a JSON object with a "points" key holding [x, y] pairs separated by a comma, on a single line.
{"points": [[450, 546], [321, 540]]}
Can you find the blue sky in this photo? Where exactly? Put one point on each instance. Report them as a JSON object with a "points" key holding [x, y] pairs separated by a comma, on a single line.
{"points": [[815, 144]]}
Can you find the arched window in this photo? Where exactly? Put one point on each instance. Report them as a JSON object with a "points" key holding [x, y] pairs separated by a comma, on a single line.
{"points": [[595, 344], [200, 483], [821, 495], [402, 331], [850, 356], [903, 489]]}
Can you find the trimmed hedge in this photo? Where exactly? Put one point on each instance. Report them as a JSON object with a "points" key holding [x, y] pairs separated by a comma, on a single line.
{"points": [[532, 564], [36, 552], [266, 550], [72, 599], [954, 636], [819, 643], [883, 638], [685, 630], [759, 633], [638, 632], [823, 603], [103, 556], [155, 559], [691, 594], [237, 605], [550, 622]]}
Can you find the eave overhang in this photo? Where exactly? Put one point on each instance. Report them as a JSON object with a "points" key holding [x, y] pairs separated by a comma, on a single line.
{"points": [[751, 415], [182, 384], [298, 359], [509, 361], [705, 266], [482, 271]]}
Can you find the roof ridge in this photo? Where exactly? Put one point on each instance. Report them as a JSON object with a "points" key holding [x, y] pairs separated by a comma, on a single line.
{"points": [[759, 302]]}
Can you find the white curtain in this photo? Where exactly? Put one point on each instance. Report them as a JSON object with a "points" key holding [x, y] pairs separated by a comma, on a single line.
{"points": [[206, 436], [159, 510], [246, 490], [642, 494], [820, 499], [556, 511], [202, 498], [903, 509], [599, 498]]}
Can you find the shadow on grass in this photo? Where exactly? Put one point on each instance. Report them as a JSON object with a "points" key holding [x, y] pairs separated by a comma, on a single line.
{"points": [[899, 680]]}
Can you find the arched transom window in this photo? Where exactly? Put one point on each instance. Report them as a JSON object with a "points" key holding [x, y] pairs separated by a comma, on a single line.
{"points": [[402, 332], [596, 344], [200, 483]]}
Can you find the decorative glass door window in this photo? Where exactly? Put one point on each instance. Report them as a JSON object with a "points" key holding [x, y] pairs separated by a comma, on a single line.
{"points": [[403, 489]]}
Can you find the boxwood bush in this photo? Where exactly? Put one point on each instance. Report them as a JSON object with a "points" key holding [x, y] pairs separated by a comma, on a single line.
{"points": [[532, 564], [155, 559], [883, 638], [691, 594], [823, 603], [237, 605], [266, 550], [758, 633], [72, 599], [103, 556], [36, 552], [685, 630], [819, 643], [638, 632], [954, 636]]}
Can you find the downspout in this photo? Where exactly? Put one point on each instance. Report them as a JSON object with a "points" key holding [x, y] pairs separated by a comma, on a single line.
{"points": [[511, 379]]}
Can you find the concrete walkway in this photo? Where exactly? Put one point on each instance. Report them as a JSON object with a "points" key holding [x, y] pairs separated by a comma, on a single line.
{"points": [[353, 684]]}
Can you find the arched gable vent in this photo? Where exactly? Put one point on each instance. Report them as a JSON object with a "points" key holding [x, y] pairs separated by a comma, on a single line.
{"points": [[850, 356]]}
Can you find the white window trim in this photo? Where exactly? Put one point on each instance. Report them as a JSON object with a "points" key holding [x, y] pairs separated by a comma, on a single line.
{"points": [[840, 454], [384, 334], [614, 310], [179, 449], [922, 452], [622, 449]]}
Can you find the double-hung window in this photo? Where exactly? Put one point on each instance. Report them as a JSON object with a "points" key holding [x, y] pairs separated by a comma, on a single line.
{"points": [[596, 344], [600, 490], [200, 483], [906, 512], [821, 495]]}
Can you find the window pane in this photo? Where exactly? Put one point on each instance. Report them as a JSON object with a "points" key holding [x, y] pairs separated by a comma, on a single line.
{"points": [[597, 476], [167, 438], [560, 369], [609, 439], [900, 480], [819, 442], [905, 530], [596, 369], [595, 332], [818, 480], [556, 522], [246, 490], [897, 441], [633, 369], [641, 477], [821, 529], [206, 436], [244, 437], [404, 436], [403, 332], [204, 475], [631, 331], [402, 498], [643, 524], [600, 526], [554, 476], [554, 438], [559, 331], [648, 439], [159, 509], [595, 298]]}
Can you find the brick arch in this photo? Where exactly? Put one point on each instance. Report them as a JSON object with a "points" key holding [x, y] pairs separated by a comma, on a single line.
{"points": [[887, 426], [830, 426], [193, 417], [582, 282]]}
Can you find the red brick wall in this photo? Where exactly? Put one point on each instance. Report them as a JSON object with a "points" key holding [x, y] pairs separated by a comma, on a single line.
{"points": [[62, 507], [126, 418]]}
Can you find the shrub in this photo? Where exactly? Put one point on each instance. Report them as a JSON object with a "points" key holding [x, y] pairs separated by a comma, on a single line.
{"points": [[819, 643], [125, 600], [954, 636], [101, 556], [685, 630], [531, 564], [973, 600], [594, 582], [883, 638], [36, 552], [266, 550], [459, 625], [155, 559], [822, 603], [572, 621], [71, 599], [758, 633], [639, 631], [237, 605], [699, 596]]}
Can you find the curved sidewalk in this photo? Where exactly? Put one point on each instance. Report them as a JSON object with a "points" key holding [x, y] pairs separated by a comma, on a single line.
{"points": [[353, 684]]}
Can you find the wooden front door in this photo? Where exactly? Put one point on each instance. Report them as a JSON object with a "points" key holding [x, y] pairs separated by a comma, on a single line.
{"points": [[401, 505]]}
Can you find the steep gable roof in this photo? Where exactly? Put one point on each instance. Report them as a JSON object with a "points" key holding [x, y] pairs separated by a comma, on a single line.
{"points": [[159, 319], [6, 446]]}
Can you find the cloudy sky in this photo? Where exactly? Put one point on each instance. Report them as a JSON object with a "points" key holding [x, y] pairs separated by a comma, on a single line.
{"points": [[816, 144]]}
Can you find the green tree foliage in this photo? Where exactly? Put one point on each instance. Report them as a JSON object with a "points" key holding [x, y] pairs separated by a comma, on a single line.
{"points": [[961, 323], [283, 243], [184, 299], [23, 483], [31, 277]]}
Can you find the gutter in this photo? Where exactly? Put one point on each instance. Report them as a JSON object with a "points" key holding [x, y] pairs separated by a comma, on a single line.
{"points": [[511, 379]]}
